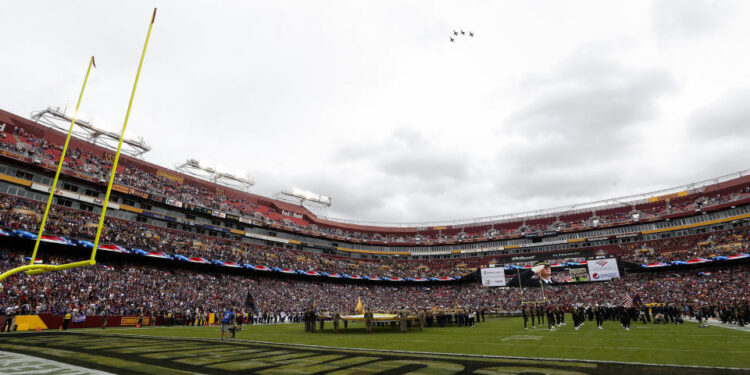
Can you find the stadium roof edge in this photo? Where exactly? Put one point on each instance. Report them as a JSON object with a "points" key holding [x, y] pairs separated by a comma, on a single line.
{"points": [[600, 205]]}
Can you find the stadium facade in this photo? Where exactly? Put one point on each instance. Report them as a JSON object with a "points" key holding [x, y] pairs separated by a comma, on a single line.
{"points": [[156, 196]]}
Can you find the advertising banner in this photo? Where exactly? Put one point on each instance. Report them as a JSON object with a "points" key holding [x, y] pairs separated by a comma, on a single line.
{"points": [[493, 276], [603, 269]]}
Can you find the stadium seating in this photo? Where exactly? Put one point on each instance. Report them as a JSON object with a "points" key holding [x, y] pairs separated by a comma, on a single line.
{"points": [[84, 160], [129, 285], [126, 288]]}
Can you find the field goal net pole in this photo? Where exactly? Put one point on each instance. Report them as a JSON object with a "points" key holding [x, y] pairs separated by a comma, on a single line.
{"points": [[520, 285], [33, 268]]}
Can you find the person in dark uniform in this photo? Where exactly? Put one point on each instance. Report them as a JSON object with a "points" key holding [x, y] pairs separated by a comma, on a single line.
{"points": [[402, 320], [624, 317], [525, 313], [540, 315], [420, 319], [560, 316], [140, 319], [11, 315], [550, 318], [306, 318], [368, 320], [66, 321], [599, 315]]}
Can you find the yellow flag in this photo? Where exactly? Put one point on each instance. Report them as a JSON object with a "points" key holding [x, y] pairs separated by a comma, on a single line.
{"points": [[359, 309]]}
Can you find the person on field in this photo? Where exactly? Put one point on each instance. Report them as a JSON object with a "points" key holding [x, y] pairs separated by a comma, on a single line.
{"points": [[368, 320], [226, 322], [402, 321], [599, 315], [66, 321], [240, 319], [525, 313], [10, 316], [336, 319]]}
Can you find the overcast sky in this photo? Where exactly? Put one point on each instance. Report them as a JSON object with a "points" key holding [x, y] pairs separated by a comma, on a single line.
{"points": [[551, 103]]}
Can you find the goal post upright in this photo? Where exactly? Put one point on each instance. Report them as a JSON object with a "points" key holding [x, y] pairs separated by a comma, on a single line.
{"points": [[60, 164], [33, 268], [119, 145]]}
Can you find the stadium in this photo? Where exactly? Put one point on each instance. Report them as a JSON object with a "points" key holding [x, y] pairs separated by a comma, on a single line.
{"points": [[115, 264]]}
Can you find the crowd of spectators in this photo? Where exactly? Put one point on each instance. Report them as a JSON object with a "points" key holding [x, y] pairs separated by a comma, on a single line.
{"points": [[167, 186], [126, 289], [25, 214], [704, 245]]}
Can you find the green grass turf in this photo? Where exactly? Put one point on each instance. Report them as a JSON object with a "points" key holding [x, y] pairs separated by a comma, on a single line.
{"points": [[659, 344]]}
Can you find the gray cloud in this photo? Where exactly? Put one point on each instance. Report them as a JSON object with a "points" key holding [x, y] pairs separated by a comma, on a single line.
{"points": [[426, 167], [688, 18], [572, 184], [407, 153], [727, 117], [588, 112]]}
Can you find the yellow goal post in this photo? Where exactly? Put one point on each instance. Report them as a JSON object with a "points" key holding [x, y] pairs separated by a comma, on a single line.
{"points": [[33, 268]]}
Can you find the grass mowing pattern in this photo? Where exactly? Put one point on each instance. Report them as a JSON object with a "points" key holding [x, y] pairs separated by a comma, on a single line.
{"points": [[197, 350], [658, 344]]}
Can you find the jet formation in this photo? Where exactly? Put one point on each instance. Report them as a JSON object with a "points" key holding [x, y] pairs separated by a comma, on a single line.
{"points": [[460, 33]]}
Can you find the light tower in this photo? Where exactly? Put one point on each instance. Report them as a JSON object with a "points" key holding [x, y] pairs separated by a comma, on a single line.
{"points": [[57, 118], [194, 168], [299, 196]]}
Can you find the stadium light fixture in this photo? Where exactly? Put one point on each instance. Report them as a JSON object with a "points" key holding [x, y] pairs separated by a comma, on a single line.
{"points": [[58, 118], [194, 168], [305, 196]]}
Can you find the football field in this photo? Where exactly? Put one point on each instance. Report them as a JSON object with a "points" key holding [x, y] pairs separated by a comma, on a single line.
{"points": [[498, 346]]}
